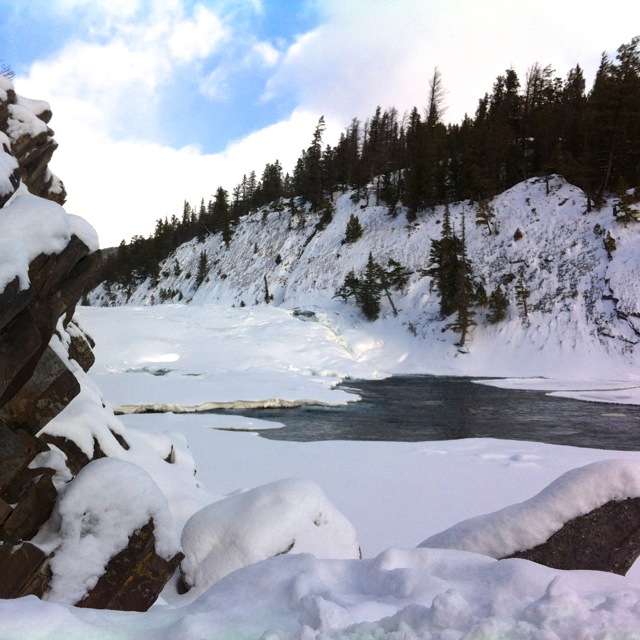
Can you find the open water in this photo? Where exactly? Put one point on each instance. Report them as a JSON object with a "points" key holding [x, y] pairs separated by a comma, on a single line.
{"points": [[416, 408]]}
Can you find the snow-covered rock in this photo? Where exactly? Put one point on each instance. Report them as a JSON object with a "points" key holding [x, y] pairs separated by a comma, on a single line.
{"points": [[525, 525], [46, 259], [286, 516], [95, 516]]}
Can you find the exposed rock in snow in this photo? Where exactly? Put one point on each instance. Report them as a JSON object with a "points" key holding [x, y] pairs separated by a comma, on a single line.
{"points": [[605, 539], [527, 525], [107, 502]]}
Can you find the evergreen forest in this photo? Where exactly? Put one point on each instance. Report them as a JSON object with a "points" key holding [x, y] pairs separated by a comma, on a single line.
{"points": [[524, 127]]}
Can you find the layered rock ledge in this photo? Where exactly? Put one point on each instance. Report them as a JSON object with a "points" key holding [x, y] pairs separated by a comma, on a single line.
{"points": [[47, 257]]}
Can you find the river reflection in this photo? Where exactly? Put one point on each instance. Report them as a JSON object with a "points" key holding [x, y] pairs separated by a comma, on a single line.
{"points": [[415, 408]]}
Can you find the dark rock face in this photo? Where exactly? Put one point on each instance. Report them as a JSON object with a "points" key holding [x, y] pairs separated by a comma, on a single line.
{"points": [[44, 395], [80, 347], [25, 571], [606, 539], [37, 383], [133, 577], [28, 317]]}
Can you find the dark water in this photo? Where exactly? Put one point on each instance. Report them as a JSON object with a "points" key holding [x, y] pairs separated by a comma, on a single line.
{"points": [[414, 408]]}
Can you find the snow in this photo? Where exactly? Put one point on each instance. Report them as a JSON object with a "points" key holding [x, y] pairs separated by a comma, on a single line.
{"points": [[42, 227], [164, 359], [37, 107], [24, 122], [526, 525], [394, 494], [286, 516]]}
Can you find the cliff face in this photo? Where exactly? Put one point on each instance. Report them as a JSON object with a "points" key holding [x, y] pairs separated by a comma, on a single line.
{"points": [[578, 266], [46, 259]]}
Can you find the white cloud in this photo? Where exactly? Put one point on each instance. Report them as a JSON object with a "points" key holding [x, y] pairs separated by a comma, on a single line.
{"points": [[266, 53], [197, 38], [368, 53], [122, 72], [213, 85], [103, 8], [122, 187]]}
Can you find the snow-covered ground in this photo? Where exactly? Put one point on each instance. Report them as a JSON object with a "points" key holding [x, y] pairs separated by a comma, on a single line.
{"points": [[396, 495]]}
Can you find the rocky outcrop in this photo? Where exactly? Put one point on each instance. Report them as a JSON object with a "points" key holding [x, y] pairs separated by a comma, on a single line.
{"points": [[25, 123], [42, 350]]}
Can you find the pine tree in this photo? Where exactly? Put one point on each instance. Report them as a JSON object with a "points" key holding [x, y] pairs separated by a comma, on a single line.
{"points": [[609, 244], [463, 294], [354, 230], [485, 214], [395, 276], [451, 270], [309, 174], [222, 216], [480, 295], [350, 288], [498, 305], [444, 254], [522, 295], [203, 268], [369, 293]]}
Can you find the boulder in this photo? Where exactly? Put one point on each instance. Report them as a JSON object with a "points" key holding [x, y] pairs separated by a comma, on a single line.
{"points": [[605, 539], [17, 449], [33, 145], [25, 570], [28, 317], [33, 508], [9, 171], [286, 516], [587, 519], [80, 347], [20, 342], [75, 458]]}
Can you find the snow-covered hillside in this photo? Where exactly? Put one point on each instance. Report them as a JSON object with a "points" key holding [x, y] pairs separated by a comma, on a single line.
{"points": [[580, 293]]}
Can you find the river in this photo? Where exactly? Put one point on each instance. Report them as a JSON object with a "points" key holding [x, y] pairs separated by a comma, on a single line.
{"points": [[416, 408]]}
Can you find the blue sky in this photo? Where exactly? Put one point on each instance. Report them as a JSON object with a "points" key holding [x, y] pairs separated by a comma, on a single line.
{"points": [[158, 101]]}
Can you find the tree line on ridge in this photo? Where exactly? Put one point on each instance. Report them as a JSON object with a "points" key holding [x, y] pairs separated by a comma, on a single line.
{"points": [[540, 125]]}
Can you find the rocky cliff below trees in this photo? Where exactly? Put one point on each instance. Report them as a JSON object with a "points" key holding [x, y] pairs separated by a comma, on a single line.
{"points": [[46, 258], [565, 269]]}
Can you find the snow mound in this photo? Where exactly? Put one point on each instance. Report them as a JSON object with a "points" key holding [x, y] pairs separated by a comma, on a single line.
{"points": [[101, 508], [530, 523], [286, 516]]}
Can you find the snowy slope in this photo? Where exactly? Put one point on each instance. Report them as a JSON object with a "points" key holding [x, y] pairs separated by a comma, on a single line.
{"points": [[581, 297]]}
